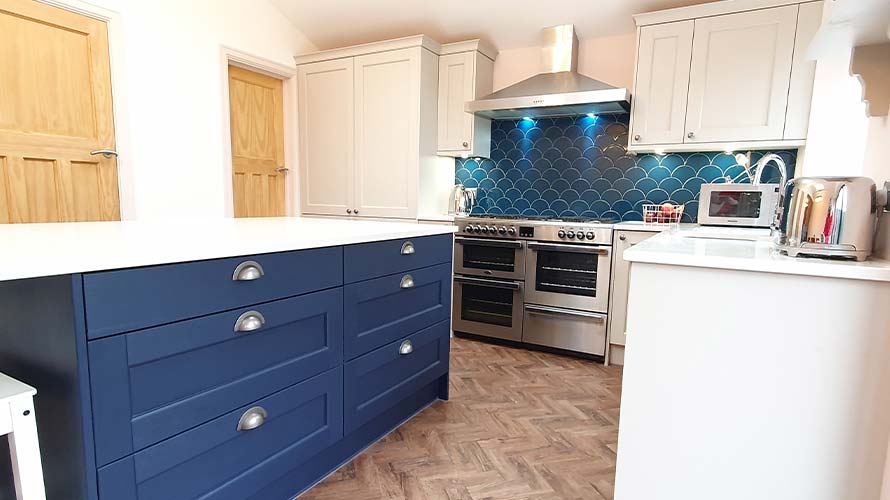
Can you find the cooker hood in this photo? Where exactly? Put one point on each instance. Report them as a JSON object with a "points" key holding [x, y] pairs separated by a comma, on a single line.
{"points": [[559, 90]]}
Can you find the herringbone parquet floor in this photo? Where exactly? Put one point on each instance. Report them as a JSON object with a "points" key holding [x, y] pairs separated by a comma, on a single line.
{"points": [[520, 425]]}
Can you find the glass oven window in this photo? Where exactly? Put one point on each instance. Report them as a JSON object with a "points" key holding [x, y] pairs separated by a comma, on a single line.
{"points": [[485, 304], [489, 258], [566, 272]]}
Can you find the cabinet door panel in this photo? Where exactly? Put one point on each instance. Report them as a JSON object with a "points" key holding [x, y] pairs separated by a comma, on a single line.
{"points": [[456, 82], [326, 137], [803, 72], [387, 129], [741, 68], [659, 106], [620, 282]]}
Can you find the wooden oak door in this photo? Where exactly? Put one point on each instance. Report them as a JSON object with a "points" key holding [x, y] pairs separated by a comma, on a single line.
{"points": [[256, 106], [55, 108], [327, 147]]}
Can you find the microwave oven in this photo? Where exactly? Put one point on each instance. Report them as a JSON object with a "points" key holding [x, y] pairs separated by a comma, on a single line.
{"points": [[744, 205]]}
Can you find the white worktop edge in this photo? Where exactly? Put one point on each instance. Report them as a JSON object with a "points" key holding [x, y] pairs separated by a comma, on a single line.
{"points": [[38, 250], [757, 256]]}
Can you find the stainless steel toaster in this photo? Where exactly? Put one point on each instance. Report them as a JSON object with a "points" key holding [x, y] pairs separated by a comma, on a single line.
{"points": [[829, 217]]}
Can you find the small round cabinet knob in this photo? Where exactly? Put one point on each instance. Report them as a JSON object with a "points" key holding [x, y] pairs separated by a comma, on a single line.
{"points": [[637, 137], [622, 237], [349, 210], [690, 135], [466, 144], [356, 211]]}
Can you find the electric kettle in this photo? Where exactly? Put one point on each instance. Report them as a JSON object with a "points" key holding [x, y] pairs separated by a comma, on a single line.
{"points": [[462, 200], [830, 217]]}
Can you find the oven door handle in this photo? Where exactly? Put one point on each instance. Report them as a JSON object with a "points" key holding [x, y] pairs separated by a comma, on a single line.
{"points": [[533, 309], [569, 248], [512, 285], [488, 243]]}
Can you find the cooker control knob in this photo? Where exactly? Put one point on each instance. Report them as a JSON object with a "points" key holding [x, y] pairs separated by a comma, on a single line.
{"points": [[484, 229], [590, 235], [472, 229], [502, 230], [561, 233], [511, 231], [580, 235], [570, 234]]}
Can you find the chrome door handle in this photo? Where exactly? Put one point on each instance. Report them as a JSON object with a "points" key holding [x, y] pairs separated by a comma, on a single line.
{"points": [[252, 418], [108, 153], [250, 321], [407, 248], [248, 270], [406, 348], [556, 247], [282, 169], [512, 285], [407, 281]]}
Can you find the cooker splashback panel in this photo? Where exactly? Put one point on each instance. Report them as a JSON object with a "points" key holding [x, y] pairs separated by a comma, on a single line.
{"points": [[580, 166]]}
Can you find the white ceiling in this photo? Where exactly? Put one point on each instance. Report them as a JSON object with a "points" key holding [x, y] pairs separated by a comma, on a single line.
{"points": [[507, 24]]}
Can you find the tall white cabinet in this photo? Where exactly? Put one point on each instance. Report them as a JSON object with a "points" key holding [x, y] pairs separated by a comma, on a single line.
{"points": [[729, 74], [367, 127]]}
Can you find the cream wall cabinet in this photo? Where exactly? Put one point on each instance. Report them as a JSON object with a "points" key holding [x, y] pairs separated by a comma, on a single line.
{"points": [[720, 78], [465, 73], [367, 127]]}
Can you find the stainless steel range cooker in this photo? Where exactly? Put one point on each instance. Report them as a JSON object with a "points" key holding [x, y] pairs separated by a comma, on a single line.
{"points": [[537, 280]]}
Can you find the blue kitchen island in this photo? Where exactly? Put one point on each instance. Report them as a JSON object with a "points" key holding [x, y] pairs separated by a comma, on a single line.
{"points": [[248, 363]]}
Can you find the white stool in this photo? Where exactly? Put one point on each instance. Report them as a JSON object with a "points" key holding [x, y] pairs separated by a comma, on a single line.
{"points": [[17, 421]]}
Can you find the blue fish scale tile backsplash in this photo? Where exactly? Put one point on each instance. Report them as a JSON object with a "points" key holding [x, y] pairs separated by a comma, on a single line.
{"points": [[580, 166]]}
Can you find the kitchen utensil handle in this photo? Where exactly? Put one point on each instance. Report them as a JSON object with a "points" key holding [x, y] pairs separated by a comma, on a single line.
{"points": [[512, 285], [569, 248], [534, 309], [488, 243]]}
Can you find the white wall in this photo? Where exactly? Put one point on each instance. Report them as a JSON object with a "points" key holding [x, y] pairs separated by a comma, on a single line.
{"points": [[169, 95], [610, 59]]}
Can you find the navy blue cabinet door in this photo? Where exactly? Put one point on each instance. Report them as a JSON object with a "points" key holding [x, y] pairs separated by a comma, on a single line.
{"points": [[372, 260], [381, 379], [382, 310], [217, 461], [130, 299], [155, 383]]}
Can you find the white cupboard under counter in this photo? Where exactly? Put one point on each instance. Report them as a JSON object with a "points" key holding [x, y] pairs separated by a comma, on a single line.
{"points": [[733, 349]]}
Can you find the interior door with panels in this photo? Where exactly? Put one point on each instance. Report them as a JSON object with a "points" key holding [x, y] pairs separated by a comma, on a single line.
{"points": [[256, 108], [659, 111], [741, 68], [327, 170], [55, 115], [387, 127]]}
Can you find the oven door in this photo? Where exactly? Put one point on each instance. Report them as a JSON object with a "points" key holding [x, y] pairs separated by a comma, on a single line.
{"points": [[578, 331], [571, 276], [489, 257], [488, 307]]}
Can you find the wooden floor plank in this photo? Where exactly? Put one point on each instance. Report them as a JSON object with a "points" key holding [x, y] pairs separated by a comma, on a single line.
{"points": [[520, 425]]}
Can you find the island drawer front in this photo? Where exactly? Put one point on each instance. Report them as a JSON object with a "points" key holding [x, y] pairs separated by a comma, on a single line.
{"points": [[130, 299], [385, 309], [380, 379], [215, 461], [371, 260], [155, 383]]}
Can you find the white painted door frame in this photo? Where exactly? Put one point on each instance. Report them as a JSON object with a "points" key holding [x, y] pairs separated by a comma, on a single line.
{"points": [[288, 76], [116, 58]]}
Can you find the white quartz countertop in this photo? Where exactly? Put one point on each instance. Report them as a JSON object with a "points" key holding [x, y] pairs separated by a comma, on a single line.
{"points": [[34, 250], [648, 227], [760, 256]]}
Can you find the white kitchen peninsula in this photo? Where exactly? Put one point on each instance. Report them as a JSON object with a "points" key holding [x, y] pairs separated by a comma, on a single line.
{"points": [[749, 374]]}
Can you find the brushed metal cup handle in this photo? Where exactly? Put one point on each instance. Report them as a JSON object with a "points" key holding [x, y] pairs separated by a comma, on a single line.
{"points": [[407, 248], [407, 282], [406, 348], [252, 418], [248, 271], [250, 321]]}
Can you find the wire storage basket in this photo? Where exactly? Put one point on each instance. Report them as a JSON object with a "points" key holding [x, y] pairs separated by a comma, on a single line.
{"points": [[666, 213]]}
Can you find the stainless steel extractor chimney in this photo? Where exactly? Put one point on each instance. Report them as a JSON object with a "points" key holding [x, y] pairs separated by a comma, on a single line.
{"points": [[559, 90]]}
